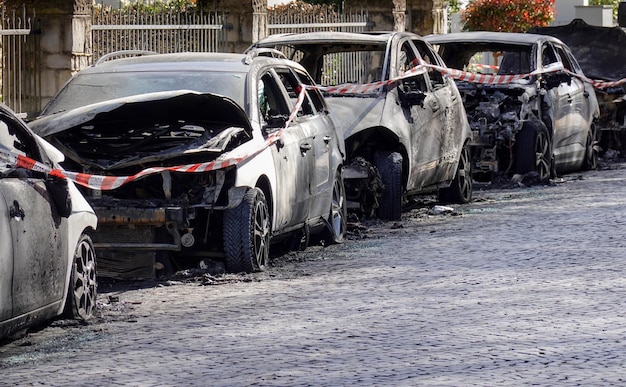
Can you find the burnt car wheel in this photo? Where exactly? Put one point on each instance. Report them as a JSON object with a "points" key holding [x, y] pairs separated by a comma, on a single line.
{"points": [[337, 222], [591, 149], [461, 189], [81, 297], [389, 166], [247, 234], [532, 150]]}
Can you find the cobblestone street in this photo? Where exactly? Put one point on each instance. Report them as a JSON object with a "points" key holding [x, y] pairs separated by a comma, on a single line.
{"points": [[522, 286]]}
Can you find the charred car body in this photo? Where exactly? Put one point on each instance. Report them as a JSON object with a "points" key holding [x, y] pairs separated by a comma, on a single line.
{"points": [[407, 127], [542, 123], [600, 52], [47, 259], [264, 174]]}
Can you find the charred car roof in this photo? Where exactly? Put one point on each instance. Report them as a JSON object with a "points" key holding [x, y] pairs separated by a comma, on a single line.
{"points": [[182, 61], [490, 37], [334, 41]]}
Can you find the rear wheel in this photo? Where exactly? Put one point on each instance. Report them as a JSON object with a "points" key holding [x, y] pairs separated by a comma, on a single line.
{"points": [[591, 149], [461, 189], [389, 166], [81, 297], [533, 152], [247, 234], [337, 223]]}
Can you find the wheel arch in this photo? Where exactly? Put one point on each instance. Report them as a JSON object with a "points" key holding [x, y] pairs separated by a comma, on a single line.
{"points": [[378, 138]]}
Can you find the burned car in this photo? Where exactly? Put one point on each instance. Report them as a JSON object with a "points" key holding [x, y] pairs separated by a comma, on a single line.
{"points": [[219, 155], [405, 128], [600, 53], [46, 254], [535, 117]]}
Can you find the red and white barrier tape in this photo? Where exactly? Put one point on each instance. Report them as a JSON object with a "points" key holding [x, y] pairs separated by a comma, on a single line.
{"points": [[101, 182], [104, 183], [467, 76]]}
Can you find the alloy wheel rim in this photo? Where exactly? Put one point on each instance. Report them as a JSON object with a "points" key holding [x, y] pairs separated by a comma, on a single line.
{"points": [[542, 151], [85, 285], [261, 234], [338, 220]]}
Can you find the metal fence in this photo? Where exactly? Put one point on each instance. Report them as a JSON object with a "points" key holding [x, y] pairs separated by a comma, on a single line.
{"points": [[337, 68], [161, 31], [21, 61], [321, 18]]}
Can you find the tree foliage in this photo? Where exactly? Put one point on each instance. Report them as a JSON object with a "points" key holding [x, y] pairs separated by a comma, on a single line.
{"points": [[507, 15]]}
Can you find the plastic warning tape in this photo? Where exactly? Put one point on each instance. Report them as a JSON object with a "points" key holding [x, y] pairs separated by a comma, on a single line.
{"points": [[106, 182], [301, 90], [467, 76]]}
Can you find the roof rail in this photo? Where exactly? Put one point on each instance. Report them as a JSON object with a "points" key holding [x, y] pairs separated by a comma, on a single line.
{"points": [[123, 54], [269, 52]]}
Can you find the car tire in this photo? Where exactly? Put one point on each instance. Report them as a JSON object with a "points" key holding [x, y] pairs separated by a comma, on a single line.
{"points": [[389, 165], [461, 189], [246, 234], [164, 267], [591, 149], [81, 296], [337, 218], [533, 152]]}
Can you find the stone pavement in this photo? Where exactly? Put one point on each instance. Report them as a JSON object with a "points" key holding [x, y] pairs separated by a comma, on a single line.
{"points": [[521, 287]]}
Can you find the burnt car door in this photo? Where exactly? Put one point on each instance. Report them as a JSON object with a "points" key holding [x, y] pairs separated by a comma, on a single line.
{"points": [[292, 153], [36, 229], [451, 108], [425, 111], [324, 139], [563, 92], [6, 255], [572, 146]]}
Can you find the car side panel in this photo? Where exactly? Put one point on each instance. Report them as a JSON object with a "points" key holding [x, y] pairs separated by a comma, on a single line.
{"points": [[40, 245], [6, 258], [455, 130], [293, 160], [570, 123], [324, 141]]}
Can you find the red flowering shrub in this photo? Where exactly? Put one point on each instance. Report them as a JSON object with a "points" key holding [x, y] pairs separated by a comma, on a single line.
{"points": [[507, 15]]}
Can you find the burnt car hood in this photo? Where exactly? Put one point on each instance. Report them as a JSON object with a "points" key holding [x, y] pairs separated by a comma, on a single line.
{"points": [[147, 129], [599, 50]]}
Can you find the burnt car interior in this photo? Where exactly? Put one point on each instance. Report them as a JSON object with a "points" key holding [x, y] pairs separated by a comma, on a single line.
{"points": [[359, 63], [509, 59]]}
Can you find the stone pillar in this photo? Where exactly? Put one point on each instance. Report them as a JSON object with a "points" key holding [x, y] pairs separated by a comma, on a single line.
{"points": [[427, 16], [239, 13], [440, 18], [65, 39], [399, 15], [259, 20]]}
